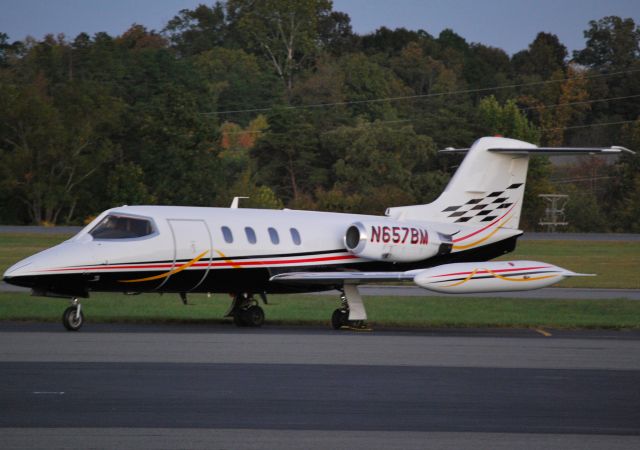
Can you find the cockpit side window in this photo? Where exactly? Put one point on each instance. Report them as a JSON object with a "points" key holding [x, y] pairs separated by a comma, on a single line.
{"points": [[122, 227]]}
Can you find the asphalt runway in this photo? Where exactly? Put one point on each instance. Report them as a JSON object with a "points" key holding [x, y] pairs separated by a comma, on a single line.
{"points": [[137, 386]]}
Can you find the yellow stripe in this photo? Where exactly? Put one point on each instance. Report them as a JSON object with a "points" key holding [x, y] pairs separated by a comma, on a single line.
{"points": [[464, 247], [171, 272], [227, 260], [520, 279], [463, 281], [501, 277]]}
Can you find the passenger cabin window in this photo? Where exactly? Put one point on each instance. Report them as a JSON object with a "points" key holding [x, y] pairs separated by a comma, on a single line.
{"points": [[251, 235], [121, 227], [273, 234], [227, 234], [295, 236]]}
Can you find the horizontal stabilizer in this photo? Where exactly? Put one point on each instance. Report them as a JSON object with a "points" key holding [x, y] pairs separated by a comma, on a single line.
{"points": [[551, 151]]}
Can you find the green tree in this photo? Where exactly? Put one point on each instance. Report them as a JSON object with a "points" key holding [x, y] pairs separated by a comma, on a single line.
{"points": [[545, 56], [286, 156], [195, 31], [125, 186], [384, 166], [612, 42], [52, 146], [621, 201], [286, 32], [236, 80], [364, 80], [506, 120]]}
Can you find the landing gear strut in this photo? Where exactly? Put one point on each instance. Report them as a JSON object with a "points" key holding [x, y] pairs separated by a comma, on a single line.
{"points": [[245, 311], [351, 313], [72, 318]]}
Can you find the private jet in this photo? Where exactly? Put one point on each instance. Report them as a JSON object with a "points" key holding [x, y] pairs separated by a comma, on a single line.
{"points": [[444, 246]]}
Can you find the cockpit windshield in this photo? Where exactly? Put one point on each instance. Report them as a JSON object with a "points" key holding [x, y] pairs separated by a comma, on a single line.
{"points": [[122, 227]]}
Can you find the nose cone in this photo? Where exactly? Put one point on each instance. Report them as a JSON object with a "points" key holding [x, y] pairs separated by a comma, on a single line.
{"points": [[16, 274], [45, 271]]}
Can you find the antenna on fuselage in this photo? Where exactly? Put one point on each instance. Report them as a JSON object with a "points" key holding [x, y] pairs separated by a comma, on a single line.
{"points": [[235, 202]]}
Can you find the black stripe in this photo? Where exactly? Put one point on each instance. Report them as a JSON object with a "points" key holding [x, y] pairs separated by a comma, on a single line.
{"points": [[474, 201], [451, 208], [500, 200], [463, 219], [495, 194], [457, 214], [278, 255], [515, 186], [477, 207]]}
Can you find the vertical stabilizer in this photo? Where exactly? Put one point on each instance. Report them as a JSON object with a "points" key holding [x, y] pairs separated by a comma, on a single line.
{"points": [[488, 186]]}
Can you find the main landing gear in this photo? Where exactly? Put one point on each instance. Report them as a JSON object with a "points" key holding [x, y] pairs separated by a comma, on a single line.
{"points": [[245, 311], [72, 318], [351, 313]]}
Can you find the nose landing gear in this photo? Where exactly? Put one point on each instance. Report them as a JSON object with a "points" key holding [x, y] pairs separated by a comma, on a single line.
{"points": [[72, 318]]}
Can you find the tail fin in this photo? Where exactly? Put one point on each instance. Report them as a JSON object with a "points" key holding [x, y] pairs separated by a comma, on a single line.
{"points": [[488, 185]]}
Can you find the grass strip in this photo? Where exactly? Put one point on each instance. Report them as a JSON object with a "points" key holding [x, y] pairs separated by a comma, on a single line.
{"points": [[615, 263], [419, 312]]}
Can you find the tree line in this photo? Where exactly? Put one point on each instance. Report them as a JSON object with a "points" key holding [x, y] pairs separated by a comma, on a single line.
{"points": [[282, 102]]}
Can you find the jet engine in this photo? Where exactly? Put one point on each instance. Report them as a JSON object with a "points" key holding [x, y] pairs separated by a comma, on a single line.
{"points": [[395, 241]]}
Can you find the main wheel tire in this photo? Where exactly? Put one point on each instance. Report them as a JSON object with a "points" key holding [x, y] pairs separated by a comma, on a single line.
{"points": [[238, 318], [71, 320], [339, 318], [253, 316]]}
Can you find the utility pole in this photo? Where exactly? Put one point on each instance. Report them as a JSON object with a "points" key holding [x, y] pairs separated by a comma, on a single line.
{"points": [[554, 212]]}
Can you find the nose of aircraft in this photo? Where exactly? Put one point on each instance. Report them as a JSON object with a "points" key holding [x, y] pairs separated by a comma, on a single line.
{"points": [[15, 274], [42, 270]]}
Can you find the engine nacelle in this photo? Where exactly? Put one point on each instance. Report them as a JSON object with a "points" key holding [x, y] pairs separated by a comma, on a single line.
{"points": [[393, 241], [490, 276]]}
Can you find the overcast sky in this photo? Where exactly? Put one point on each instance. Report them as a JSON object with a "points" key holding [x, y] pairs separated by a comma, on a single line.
{"points": [[507, 24]]}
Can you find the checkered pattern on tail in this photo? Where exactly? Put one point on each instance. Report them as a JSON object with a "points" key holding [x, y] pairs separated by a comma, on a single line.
{"points": [[483, 209]]}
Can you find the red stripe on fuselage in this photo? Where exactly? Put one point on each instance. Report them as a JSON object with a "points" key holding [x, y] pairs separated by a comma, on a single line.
{"points": [[229, 263]]}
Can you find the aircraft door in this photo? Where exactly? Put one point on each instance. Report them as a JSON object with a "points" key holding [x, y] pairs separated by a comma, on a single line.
{"points": [[192, 254]]}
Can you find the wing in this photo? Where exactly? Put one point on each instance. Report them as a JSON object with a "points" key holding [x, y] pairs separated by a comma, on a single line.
{"points": [[454, 278], [551, 151], [341, 277]]}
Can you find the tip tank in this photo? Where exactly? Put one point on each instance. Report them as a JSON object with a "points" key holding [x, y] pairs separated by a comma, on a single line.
{"points": [[491, 276]]}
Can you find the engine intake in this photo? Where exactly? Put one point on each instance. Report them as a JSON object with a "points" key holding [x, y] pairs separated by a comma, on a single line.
{"points": [[395, 241]]}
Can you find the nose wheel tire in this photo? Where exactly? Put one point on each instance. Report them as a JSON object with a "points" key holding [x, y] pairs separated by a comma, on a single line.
{"points": [[71, 320]]}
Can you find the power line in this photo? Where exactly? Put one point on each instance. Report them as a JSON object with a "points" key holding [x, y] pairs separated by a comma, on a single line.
{"points": [[557, 105], [423, 96], [602, 124], [578, 180], [383, 122]]}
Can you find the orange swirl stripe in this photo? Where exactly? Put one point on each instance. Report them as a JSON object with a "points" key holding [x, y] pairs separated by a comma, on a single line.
{"points": [[171, 272], [501, 277], [480, 241]]}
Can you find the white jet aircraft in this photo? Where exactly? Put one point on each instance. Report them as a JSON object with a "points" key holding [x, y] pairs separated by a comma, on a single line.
{"points": [[443, 246]]}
